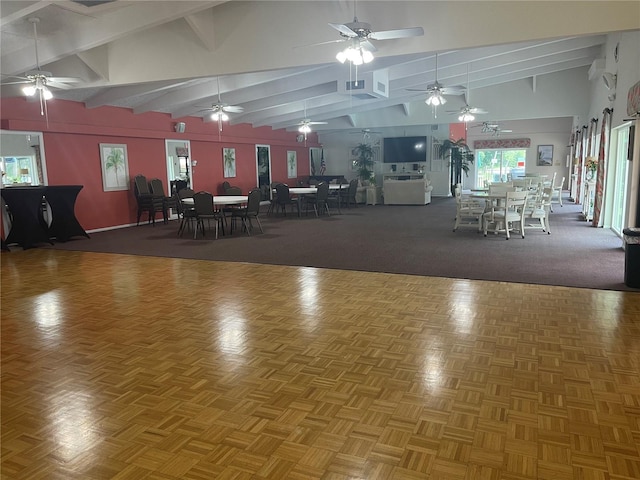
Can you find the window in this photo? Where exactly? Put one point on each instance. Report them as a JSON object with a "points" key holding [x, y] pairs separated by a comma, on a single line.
{"points": [[19, 170], [499, 165]]}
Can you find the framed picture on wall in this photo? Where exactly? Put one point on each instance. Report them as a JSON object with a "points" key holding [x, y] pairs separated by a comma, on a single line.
{"points": [[545, 155], [292, 164], [229, 159], [115, 167]]}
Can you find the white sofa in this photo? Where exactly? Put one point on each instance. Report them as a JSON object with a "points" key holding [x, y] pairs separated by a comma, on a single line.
{"points": [[407, 192]]}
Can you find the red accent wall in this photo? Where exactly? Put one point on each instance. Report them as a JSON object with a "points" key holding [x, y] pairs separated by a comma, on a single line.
{"points": [[457, 131], [72, 135]]}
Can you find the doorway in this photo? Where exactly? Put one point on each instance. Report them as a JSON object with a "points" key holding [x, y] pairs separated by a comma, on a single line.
{"points": [[263, 170], [179, 171], [22, 158], [618, 178]]}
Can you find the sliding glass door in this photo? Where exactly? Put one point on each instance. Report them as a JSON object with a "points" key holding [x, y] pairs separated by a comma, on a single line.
{"points": [[619, 180], [499, 165]]}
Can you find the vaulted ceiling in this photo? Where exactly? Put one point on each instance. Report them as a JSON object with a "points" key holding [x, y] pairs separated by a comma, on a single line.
{"points": [[276, 60]]}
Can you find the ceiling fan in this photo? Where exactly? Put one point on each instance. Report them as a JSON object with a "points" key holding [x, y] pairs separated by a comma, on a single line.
{"points": [[366, 134], [492, 127], [39, 81], [359, 35], [467, 112], [304, 126], [219, 110], [436, 91]]}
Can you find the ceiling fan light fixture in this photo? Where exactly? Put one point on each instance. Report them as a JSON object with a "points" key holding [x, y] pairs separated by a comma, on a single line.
{"points": [[29, 90], [46, 93], [356, 55], [223, 117], [304, 128], [466, 117], [435, 99]]}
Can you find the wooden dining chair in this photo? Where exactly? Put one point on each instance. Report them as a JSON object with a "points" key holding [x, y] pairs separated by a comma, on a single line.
{"points": [[505, 218]]}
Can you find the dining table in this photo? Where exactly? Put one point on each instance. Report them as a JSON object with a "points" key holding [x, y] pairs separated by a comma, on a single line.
{"points": [[222, 200], [300, 192]]}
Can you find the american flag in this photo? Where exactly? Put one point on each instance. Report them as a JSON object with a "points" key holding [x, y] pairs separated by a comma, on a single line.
{"points": [[323, 165]]}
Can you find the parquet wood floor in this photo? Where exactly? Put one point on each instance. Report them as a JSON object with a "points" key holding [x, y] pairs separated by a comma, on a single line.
{"points": [[129, 367]]}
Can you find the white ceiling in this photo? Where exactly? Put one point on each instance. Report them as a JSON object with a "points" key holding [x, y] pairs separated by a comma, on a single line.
{"points": [[168, 56]]}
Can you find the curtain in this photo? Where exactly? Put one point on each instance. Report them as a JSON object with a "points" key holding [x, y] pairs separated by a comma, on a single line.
{"points": [[506, 143], [581, 155], [38, 155], [601, 171]]}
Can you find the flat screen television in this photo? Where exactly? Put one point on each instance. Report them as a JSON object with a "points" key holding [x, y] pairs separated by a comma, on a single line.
{"points": [[405, 150]]}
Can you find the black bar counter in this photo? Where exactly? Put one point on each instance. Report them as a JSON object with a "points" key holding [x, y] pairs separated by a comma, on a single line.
{"points": [[62, 200], [28, 226]]}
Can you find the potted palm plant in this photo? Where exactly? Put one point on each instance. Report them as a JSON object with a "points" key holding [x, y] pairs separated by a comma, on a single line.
{"points": [[460, 158], [364, 163]]}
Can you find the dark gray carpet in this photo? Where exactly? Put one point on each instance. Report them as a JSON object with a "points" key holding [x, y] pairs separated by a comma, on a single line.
{"points": [[415, 240]]}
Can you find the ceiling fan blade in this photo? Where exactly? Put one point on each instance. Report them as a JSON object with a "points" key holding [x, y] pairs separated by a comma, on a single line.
{"points": [[21, 82], [455, 90], [400, 33], [317, 123], [480, 111], [506, 131], [343, 29], [19, 77], [63, 79], [367, 45], [58, 85], [233, 109], [341, 40]]}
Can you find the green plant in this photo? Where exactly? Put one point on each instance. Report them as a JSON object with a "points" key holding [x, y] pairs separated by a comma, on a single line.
{"points": [[460, 158], [364, 162]]}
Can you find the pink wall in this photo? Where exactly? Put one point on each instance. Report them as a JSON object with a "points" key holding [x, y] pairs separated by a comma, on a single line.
{"points": [[457, 131], [72, 153]]}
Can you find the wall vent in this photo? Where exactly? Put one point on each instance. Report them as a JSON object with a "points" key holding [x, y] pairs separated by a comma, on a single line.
{"points": [[370, 85]]}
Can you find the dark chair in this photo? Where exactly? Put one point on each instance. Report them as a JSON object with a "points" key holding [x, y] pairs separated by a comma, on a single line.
{"points": [[225, 186], [186, 212], [147, 202], [229, 209], [319, 200], [335, 196], [349, 195], [203, 203], [284, 198], [273, 203], [157, 189], [177, 185], [233, 191], [252, 210]]}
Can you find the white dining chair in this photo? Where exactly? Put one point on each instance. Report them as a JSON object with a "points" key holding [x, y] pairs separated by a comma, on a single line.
{"points": [[505, 218]]}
